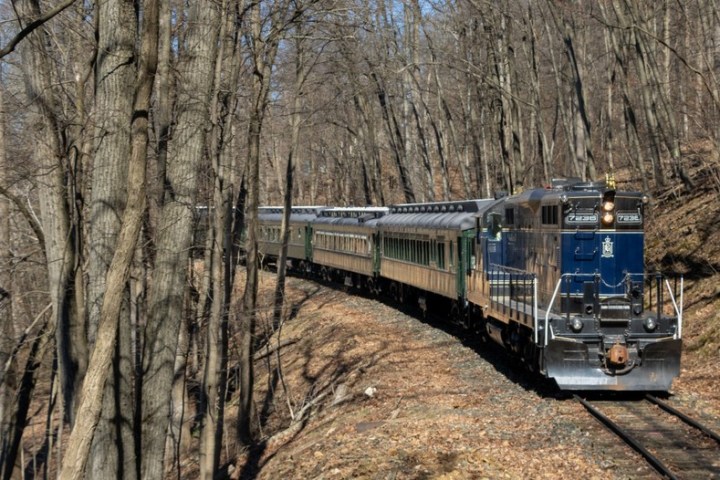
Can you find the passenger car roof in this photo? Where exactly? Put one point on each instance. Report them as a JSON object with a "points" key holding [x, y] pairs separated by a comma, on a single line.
{"points": [[437, 215], [297, 214], [351, 215]]}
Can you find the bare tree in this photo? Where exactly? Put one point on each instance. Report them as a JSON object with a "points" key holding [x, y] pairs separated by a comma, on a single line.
{"points": [[264, 41], [174, 232], [114, 88], [90, 409], [222, 271], [59, 235], [8, 368]]}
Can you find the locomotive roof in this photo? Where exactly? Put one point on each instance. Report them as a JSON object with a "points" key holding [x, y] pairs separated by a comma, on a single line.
{"points": [[443, 215]]}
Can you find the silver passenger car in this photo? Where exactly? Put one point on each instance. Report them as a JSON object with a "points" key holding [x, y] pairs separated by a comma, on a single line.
{"points": [[430, 246], [299, 242], [344, 240]]}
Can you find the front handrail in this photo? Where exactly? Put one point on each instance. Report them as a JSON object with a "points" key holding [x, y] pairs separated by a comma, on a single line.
{"points": [[678, 309]]}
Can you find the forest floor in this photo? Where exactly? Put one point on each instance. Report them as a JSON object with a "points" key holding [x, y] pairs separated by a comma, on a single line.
{"points": [[378, 393], [381, 394]]}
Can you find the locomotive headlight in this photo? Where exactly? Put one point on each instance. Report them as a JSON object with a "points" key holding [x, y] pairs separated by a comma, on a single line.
{"points": [[607, 208], [650, 324], [608, 218]]}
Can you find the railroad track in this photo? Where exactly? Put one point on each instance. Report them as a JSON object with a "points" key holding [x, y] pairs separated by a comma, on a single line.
{"points": [[675, 445]]}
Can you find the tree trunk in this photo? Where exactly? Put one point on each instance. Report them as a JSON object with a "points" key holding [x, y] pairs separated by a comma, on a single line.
{"points": [[58, 234], [8, 367], [89, 411], [113, 450], [581, 124], [11, 442], [7, 333], [222, 273], [165, 297], [301, 73], [395, 138], [263, 52]]}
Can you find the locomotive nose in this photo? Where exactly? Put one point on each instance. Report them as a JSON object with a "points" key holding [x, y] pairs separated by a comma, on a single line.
{"points": [[617, 356]]}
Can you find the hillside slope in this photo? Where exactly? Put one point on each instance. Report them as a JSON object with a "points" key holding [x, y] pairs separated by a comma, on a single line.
{"points": [[683, 236]]}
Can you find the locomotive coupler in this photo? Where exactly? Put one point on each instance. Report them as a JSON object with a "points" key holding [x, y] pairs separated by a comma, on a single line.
{"points": [[617, 356]]}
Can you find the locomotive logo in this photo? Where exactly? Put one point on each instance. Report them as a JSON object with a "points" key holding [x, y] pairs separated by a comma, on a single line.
{"points": [[607, 248]]}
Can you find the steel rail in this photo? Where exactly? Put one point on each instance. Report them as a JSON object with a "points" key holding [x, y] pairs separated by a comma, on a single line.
{"points": [[651, 459], [683, 417]]}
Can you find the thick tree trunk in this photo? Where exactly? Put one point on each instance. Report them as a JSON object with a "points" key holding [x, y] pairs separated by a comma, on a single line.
{"points": [[59, 237], [248, 311], [166, 294], [7, 333], [221, 271], [113, 448], [89, 411], [8, 367]]}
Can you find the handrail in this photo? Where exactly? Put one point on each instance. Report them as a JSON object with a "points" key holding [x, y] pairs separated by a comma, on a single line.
{"points": [[499, 271], [682, 305], [678, 310], [505, 268], [677, 307], [549, 307], [536, 320]]}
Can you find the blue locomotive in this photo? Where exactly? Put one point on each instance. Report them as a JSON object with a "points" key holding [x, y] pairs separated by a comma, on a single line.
{"points": [[555, 275]]}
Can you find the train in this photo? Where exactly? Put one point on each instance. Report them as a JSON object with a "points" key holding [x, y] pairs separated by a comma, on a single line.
{"points": [[554, 275]]}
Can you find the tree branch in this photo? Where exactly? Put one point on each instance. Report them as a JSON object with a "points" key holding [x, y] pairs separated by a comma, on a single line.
{"points": [[32, 26]]}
